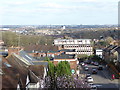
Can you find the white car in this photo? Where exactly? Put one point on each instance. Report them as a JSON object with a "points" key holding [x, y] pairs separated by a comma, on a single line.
{"points": [[83, 64], [90, 84], [89, 79], [86, 68]]}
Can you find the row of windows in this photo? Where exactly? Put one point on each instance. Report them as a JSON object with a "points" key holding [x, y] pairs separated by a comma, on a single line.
{"points": [[71, 41], [84, 51], [79, 46]]}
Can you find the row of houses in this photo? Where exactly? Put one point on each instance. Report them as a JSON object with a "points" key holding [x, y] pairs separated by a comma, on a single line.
{"points": [[55, 55], [27, 68], [58, 51], [23, 72], [112, 53]]}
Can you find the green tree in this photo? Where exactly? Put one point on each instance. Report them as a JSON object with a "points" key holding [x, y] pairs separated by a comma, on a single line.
{"points": [[63, 68], [47, 59], [82, 56], [109, 40], [10, 38], [13, 39], [51, 69], [95, 58]]}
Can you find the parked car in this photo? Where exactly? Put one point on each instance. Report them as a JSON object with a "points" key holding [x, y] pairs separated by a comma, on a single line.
{"points": [[100, 67], [96, 63], [87, 75], [90, 84], [88, 61], [82, 63], [85, 65], [93, 87], [92, 63], [94, 71], [86, 68], [89, 79]]}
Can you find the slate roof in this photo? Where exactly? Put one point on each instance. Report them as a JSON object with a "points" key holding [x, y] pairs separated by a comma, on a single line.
{"points": [[68, 50], [26, 56], [11, 75], [40, 58], [38, 71], [110, 47], [14, 58], [19, 71], [41, 63], [65, 56], [40, 48], [32, 60], [118, 49]]}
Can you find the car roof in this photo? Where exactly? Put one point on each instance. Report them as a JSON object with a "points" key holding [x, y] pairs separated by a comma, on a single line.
{"points": [[89, 77]]}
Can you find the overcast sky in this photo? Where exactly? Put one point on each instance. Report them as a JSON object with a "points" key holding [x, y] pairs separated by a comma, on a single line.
{"points": [[37, 12]]}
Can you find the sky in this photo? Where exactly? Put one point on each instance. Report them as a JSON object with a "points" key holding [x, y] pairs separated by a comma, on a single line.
{"points": [[55, 12]]}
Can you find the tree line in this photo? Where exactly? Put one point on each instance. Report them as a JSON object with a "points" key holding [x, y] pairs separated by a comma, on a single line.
{"points": [[14, 39]]}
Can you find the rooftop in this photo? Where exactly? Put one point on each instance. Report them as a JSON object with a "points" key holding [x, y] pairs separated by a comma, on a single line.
{"points": [[68, 50], [40, 48], [65, 56]]}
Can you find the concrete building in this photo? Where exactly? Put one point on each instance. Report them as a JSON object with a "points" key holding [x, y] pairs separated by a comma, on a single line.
{"points": [[81, 46], [99, 52]]}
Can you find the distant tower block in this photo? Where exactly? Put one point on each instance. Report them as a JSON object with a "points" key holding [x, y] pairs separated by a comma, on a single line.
{"points": [[63, 27]]}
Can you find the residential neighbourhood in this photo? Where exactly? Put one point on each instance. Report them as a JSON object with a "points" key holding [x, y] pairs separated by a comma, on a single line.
{"points": [[59, 45], [28, 67]]}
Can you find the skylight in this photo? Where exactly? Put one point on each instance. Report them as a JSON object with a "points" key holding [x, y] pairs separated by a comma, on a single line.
{"points": [[8, 65]]}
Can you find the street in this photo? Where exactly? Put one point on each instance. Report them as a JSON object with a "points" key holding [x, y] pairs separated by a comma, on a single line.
{"points": [[102, 79]]}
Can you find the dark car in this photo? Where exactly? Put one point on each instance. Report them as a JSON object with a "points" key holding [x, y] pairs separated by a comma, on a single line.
{"points": [[96, 63], [94, 71], [88, 61], [92, 63], [100, 67]]}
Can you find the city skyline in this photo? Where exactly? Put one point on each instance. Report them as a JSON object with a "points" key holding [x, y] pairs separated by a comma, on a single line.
{"points": [[52, 12]]}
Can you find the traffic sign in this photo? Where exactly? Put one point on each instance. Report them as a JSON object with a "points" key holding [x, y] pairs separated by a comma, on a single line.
{"points": [[72, 71]]}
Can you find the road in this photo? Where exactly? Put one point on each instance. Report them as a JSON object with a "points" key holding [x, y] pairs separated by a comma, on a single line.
{"points": [[103, 78]]}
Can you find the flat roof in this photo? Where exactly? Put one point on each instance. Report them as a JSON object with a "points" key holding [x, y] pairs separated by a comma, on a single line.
{"points": [[65, 56]]}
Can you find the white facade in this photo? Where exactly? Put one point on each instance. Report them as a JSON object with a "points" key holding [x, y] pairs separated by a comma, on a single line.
{"points": [[99, 52], [81, 46], [71, 41], [32, 86]]}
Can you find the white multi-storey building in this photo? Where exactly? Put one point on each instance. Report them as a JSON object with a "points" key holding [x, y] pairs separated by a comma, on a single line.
{"points": [[81, 46], [99, 52]]}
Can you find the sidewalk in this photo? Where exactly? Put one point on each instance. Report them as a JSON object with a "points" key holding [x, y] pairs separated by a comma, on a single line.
{"points": [[109, 76]]}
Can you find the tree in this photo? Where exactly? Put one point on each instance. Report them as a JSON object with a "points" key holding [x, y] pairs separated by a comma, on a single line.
{"points": [[82, 57], [13, 39], [109, 40], [63, 68], [95, 58], [51, 69], [47, 59], [10, 38]]}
